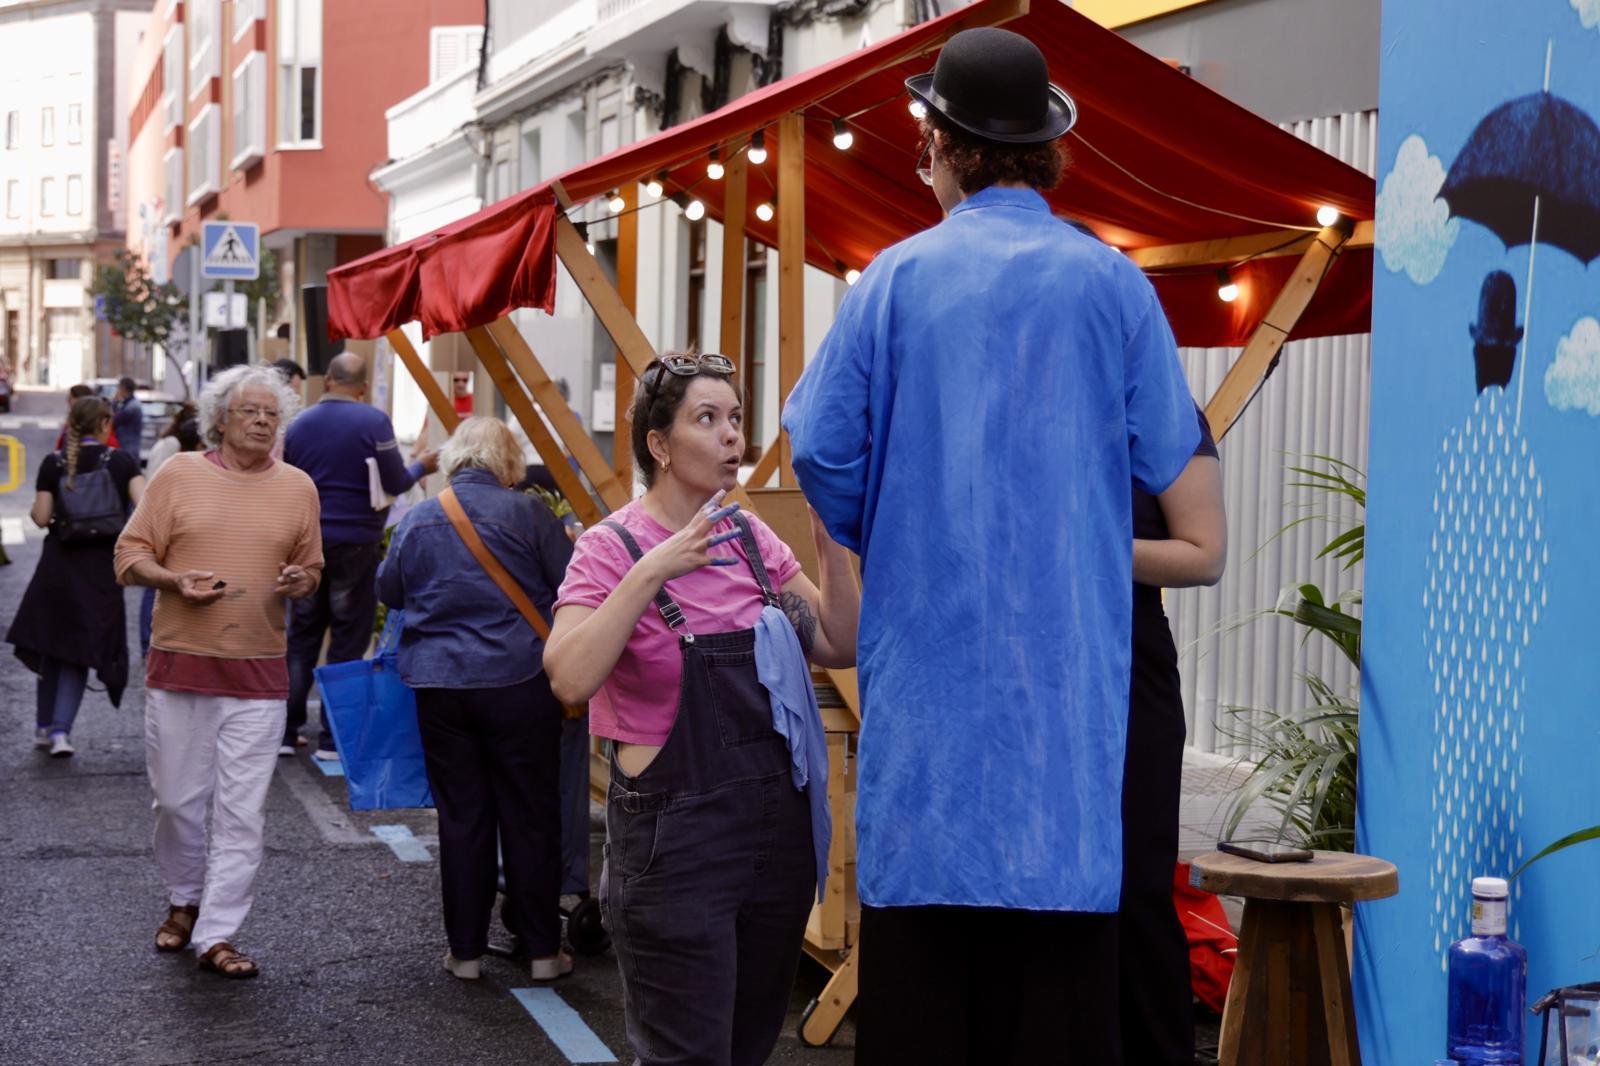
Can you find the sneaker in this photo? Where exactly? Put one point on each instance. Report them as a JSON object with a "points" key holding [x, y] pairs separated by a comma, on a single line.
{"points": [[285, 749], [41, 737], [60, 747], [548, 969], [464, 969], [325, 754]]}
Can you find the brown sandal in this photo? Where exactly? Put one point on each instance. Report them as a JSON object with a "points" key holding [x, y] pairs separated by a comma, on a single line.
{"points": [[223, 958], [174, 933]]}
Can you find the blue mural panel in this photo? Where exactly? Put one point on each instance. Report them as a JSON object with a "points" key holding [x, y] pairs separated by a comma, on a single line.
{"points": [[1480, 739]]}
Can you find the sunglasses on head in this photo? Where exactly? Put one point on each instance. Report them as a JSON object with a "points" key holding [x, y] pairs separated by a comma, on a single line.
{"points": [[684, 366]]}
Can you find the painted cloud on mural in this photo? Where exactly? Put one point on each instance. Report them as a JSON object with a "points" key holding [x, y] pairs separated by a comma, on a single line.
{"points": [[1573, 381], [1415, 230], [1588, 13]]}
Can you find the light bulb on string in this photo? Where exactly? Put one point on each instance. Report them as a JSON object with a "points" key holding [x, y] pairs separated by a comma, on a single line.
{"points": [[918, 109], [842, 137], [1327, 216], [1227, 288], [852, 276], [695, 211], [653, 188], [714, 168], [615, 202], [758, 147], [765, 211], [589, 245]]}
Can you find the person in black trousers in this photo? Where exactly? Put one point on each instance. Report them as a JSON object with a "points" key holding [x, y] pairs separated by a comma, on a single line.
{"points": [[1180, 541], [491, 729]]}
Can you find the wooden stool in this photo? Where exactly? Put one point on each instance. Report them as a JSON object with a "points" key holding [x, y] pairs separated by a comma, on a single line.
{"points": [[1289, 1003]]}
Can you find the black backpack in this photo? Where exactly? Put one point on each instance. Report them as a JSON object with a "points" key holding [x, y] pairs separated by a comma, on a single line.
{"points": [[92, 508]]}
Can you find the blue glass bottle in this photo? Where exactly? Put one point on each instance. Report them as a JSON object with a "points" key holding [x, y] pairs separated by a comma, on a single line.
{"points": [[1488, 984]]}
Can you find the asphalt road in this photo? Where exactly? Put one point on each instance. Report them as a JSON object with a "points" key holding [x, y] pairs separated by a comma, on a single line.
{"points": [[348, 935]]}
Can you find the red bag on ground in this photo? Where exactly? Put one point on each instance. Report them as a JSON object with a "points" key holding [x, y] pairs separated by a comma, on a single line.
{"points": [[1212, 944]]}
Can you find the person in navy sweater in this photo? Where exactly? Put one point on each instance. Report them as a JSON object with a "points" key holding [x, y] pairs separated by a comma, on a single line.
{"points": [[331, 441]]}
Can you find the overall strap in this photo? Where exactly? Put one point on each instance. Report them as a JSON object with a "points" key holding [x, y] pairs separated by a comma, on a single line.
{"points": [[747, 537], [671, 613]]}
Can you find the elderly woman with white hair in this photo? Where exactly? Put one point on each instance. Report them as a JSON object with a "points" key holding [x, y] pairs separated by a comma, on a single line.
{"points": [[491, 729], [225, 537]]}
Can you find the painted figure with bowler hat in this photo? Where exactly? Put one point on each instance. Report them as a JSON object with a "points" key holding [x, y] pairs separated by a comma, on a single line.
{"points": [[994, 648], [1496, 334]]}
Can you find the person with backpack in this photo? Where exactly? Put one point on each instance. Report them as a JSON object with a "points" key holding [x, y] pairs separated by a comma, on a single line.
{"points": [[71, 618]]}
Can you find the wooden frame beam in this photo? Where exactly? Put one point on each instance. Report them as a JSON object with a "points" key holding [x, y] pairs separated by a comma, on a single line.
{"points": [[628, 289], [736, 201], [603, 297], [791, 269], [522, 409], [438, 402], [1253, 364], [1225, 250], [611, 490]]}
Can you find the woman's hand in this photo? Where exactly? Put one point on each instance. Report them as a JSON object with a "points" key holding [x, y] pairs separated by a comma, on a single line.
{"points": [[690, 548]]}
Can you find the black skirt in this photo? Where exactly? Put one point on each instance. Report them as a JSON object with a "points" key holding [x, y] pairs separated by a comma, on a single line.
{"points": [[73, 611]]}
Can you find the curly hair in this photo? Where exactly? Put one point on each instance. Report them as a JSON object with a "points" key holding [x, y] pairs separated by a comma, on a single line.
{"points": [[88, 414], [218, 395], [658, 414], [978, 163]]}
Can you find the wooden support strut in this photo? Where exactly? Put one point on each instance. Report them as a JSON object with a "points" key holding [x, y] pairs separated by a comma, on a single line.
{"points": [[438, 402], [590, 459], [628, 289], [566, 478], [609, 306], [791, 269], [1250, 369], [735, 199]]}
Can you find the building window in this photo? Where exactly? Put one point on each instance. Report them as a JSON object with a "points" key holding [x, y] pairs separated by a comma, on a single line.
{"points": [[532, 163], [70, 269], [13, 198], [245, 15], [451, 49], [74, 195], [249, 112], [173, 194], [47, 196], [47, 127], [697, 282], [13, 129], [299, 71], [74, 123], [205, 52], [205, 154], [172, 78]]}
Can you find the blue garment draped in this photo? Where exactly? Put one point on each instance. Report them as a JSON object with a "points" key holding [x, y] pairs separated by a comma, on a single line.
{"points": [[781, 666]]}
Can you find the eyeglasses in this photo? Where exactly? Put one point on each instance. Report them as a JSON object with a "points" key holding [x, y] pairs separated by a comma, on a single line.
{"points": [[684, 366], [250, 412], [925, 163]]}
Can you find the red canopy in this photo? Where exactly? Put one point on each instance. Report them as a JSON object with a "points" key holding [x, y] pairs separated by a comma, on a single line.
{"points": [[1157, 159]]}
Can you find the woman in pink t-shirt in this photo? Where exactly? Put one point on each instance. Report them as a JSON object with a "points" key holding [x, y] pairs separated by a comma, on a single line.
{"points": [[709, 873]]}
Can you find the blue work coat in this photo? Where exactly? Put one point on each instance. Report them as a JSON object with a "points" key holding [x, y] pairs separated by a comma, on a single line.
{"points": [[971, 425]]}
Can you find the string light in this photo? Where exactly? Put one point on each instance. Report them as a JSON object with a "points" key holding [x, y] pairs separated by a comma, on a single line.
{"points": [[695, 211], [1327, 216], [714, 168], [842, 137], [653, 188], [615, 202], [852, 276], [918, 109], [765, 211], [758, 148], [1227, 288]]}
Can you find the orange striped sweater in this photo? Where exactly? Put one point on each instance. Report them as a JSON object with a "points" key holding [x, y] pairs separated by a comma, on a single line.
{"points": [[242, 527]]}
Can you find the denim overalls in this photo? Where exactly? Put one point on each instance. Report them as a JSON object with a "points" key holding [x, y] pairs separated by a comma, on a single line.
{"points": [[709, 874]]}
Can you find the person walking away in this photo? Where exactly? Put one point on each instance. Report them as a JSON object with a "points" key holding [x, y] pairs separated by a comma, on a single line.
{"points": [[716, 821], [128, 420], [181, 435], [332, 442], [996, 610], [74, 394], [491, 729], [1180, 541], [225, 537], [71, 619]]}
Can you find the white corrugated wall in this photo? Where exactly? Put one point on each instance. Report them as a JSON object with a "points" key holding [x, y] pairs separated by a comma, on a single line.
{"points": [[1316, 402]]}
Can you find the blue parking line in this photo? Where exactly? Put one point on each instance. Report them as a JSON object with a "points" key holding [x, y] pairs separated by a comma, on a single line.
{"points": [[406, 847], [563, 1025], [329, 767]]}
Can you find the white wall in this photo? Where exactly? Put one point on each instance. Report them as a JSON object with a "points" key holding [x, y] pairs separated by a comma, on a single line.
{"points": [[48, 63]]}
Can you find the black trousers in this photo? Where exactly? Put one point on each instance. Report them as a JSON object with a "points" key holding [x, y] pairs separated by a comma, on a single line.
{"points": [[494, 757], [1157, 999], [978, 986], [346, 602]]}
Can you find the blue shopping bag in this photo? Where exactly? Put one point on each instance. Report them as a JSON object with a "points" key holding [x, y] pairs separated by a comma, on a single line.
{"points": [[374, 719]]}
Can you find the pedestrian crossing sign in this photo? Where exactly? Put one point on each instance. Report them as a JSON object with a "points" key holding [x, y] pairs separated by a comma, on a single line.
{"points": [[230, 250]]}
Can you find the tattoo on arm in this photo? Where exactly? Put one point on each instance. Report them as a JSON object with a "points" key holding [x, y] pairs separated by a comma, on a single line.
{"points": [[800, 616]]}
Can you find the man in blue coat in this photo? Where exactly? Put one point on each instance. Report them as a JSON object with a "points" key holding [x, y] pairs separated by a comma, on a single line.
{"points": [[127, 418], [971, 426], [332, 441]]}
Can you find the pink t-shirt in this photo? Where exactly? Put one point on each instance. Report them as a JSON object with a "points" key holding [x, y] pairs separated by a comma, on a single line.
{"points": [[639, 700]]}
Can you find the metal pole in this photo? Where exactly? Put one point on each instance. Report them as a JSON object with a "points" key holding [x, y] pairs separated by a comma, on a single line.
{"points": [[194, 312]]}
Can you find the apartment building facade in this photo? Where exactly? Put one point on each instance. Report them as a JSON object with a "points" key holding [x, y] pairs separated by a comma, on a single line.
{"points": [[271, 112], [63, 120]]}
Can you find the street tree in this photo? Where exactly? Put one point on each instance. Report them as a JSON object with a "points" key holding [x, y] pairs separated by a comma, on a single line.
{"points": [[140, 309]]}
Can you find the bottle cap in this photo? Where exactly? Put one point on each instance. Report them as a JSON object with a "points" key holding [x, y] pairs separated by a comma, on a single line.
{"points": [[1490, 887]]}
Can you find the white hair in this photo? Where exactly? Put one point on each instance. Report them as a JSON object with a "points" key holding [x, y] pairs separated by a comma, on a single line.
{"points": [[483, 444], [217, 396]]}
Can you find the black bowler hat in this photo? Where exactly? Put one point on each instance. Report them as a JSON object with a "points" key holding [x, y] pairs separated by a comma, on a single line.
{"points": [[1497, 311], [995, 84]]}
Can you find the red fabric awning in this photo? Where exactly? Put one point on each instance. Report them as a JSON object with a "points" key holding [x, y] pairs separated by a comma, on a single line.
{"points": [[1157, 159]]}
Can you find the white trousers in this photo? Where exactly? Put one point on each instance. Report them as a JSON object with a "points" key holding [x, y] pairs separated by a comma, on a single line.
{"points": [[199, 749]]}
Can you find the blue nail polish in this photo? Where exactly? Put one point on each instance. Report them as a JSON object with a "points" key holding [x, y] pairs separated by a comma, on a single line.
{"points": [[724, 513], [723, 560], [723, 538]]}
